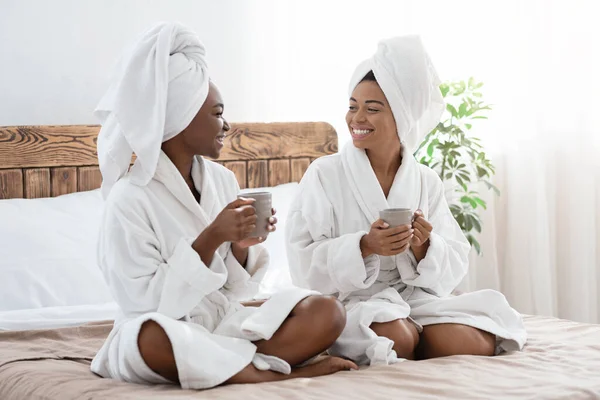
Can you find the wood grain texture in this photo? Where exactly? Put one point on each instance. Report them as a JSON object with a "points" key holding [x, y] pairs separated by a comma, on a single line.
{"points": [[299, 167], [88, 178], [63, 180], [259, 141], [62, 159], [48, 146], [37, 183], [75, 145], [257, 174], [279, 172], [239, 169], [11, 184]]}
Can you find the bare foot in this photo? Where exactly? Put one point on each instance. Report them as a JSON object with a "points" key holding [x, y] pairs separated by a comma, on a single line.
{"points": [[327, 366]]}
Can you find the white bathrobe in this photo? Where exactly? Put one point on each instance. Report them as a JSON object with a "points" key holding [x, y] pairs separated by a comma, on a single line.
{"points": [[146, 256], [340, 197]]}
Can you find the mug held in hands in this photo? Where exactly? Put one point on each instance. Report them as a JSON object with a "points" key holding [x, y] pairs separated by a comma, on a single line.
{"points": [[396, 216], [263, 207]]}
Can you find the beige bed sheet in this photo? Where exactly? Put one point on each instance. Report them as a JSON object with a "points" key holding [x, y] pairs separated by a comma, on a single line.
{"points": [[560, 361]]}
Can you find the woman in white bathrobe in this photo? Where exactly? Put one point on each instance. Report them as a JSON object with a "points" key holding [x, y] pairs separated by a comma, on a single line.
{"points": [[174, 244], [396, 283]]}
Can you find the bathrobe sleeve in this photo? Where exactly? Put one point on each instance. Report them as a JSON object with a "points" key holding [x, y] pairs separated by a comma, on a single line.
{"points": [[318, 259], [243, 283], [140, 278], [446, 262]]}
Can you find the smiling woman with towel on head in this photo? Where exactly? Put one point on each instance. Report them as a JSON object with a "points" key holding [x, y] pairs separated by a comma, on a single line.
{"points": [[173, 244], [396, 283]]}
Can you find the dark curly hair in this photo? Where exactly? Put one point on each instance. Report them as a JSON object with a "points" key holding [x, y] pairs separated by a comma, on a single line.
{"points": [[370, 76]]}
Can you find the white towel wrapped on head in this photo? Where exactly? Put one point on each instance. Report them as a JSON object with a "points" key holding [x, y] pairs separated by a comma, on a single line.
{"points": [[156, 92], [410, 83]]}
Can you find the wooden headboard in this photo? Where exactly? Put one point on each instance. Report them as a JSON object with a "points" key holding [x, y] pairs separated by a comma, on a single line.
{"points": [[47, 161]]}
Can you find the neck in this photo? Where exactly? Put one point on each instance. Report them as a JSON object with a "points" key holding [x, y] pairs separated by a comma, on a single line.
{"points": [[385, 162], [182, 161]]}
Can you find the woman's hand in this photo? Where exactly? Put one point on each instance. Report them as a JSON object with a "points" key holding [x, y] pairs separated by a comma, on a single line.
{"points": [[385, 241], [240, 248], [248, 242], [422, 231], [234, 223]]}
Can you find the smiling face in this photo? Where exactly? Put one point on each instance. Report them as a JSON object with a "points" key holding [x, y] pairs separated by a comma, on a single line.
{"points": [[205, 134], [370, 119]]}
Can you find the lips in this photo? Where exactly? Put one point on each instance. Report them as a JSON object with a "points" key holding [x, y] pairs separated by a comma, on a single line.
{"points": [[361, 133], [220, 139]]}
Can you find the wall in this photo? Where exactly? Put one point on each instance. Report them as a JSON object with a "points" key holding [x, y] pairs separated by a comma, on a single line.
{"points": [[273, 60]]}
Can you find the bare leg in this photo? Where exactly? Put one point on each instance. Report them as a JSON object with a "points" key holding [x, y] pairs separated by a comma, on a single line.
{"points": [[311, 328], [157, 351], [326, 366], [402, 332], [442, 340]]}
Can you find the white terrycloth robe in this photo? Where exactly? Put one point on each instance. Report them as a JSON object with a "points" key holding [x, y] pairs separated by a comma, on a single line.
{"points": [[146, 256], [340, 197]]}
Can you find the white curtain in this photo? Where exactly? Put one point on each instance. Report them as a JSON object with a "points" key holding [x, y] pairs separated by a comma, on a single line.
{"points": [[542, 235], [539, 61]]}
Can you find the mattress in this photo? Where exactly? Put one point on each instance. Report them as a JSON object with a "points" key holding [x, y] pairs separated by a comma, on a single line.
{"points": [[56, 317], [560, 361]]}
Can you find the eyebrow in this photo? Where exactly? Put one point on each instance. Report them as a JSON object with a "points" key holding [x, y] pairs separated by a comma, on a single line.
{"points": [[219, 105], [369, 101]]}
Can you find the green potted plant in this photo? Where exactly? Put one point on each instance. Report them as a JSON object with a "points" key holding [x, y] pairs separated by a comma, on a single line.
{"points": [[456, 154]]}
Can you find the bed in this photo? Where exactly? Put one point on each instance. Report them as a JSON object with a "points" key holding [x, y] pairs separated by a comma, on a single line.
{"points": [[55, 310]]}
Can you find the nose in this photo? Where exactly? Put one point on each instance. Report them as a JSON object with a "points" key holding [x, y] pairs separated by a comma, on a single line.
{"points": [[360, 116], [226, 126]]}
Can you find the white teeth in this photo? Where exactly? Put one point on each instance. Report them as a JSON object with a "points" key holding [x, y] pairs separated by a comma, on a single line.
{"points": [[361, 131]]}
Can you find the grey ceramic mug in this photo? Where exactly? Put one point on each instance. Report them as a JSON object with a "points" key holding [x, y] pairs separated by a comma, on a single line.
{"points": [[396, 216], [263, 206]]}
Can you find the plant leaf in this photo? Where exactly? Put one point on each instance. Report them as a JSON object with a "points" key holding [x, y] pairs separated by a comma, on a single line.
{"points": [[480, 202], [444, 89], [481, 172], [467, 199], [476, 222], [468, 222], [471, 82], [455, 208], [431, 147], [452, 110], [474, 243], [462, 109], [465, 177], [469, 126], [473, 203]]}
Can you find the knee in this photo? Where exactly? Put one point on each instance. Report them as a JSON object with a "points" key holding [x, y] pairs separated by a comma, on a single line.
{"points": [[403, 333], [483, 344], [449, 339], [154, 346], [326, 312]]}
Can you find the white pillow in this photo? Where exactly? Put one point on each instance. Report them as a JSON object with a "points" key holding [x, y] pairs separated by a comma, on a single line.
{"points": [[278, 275], [48, 252]]}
